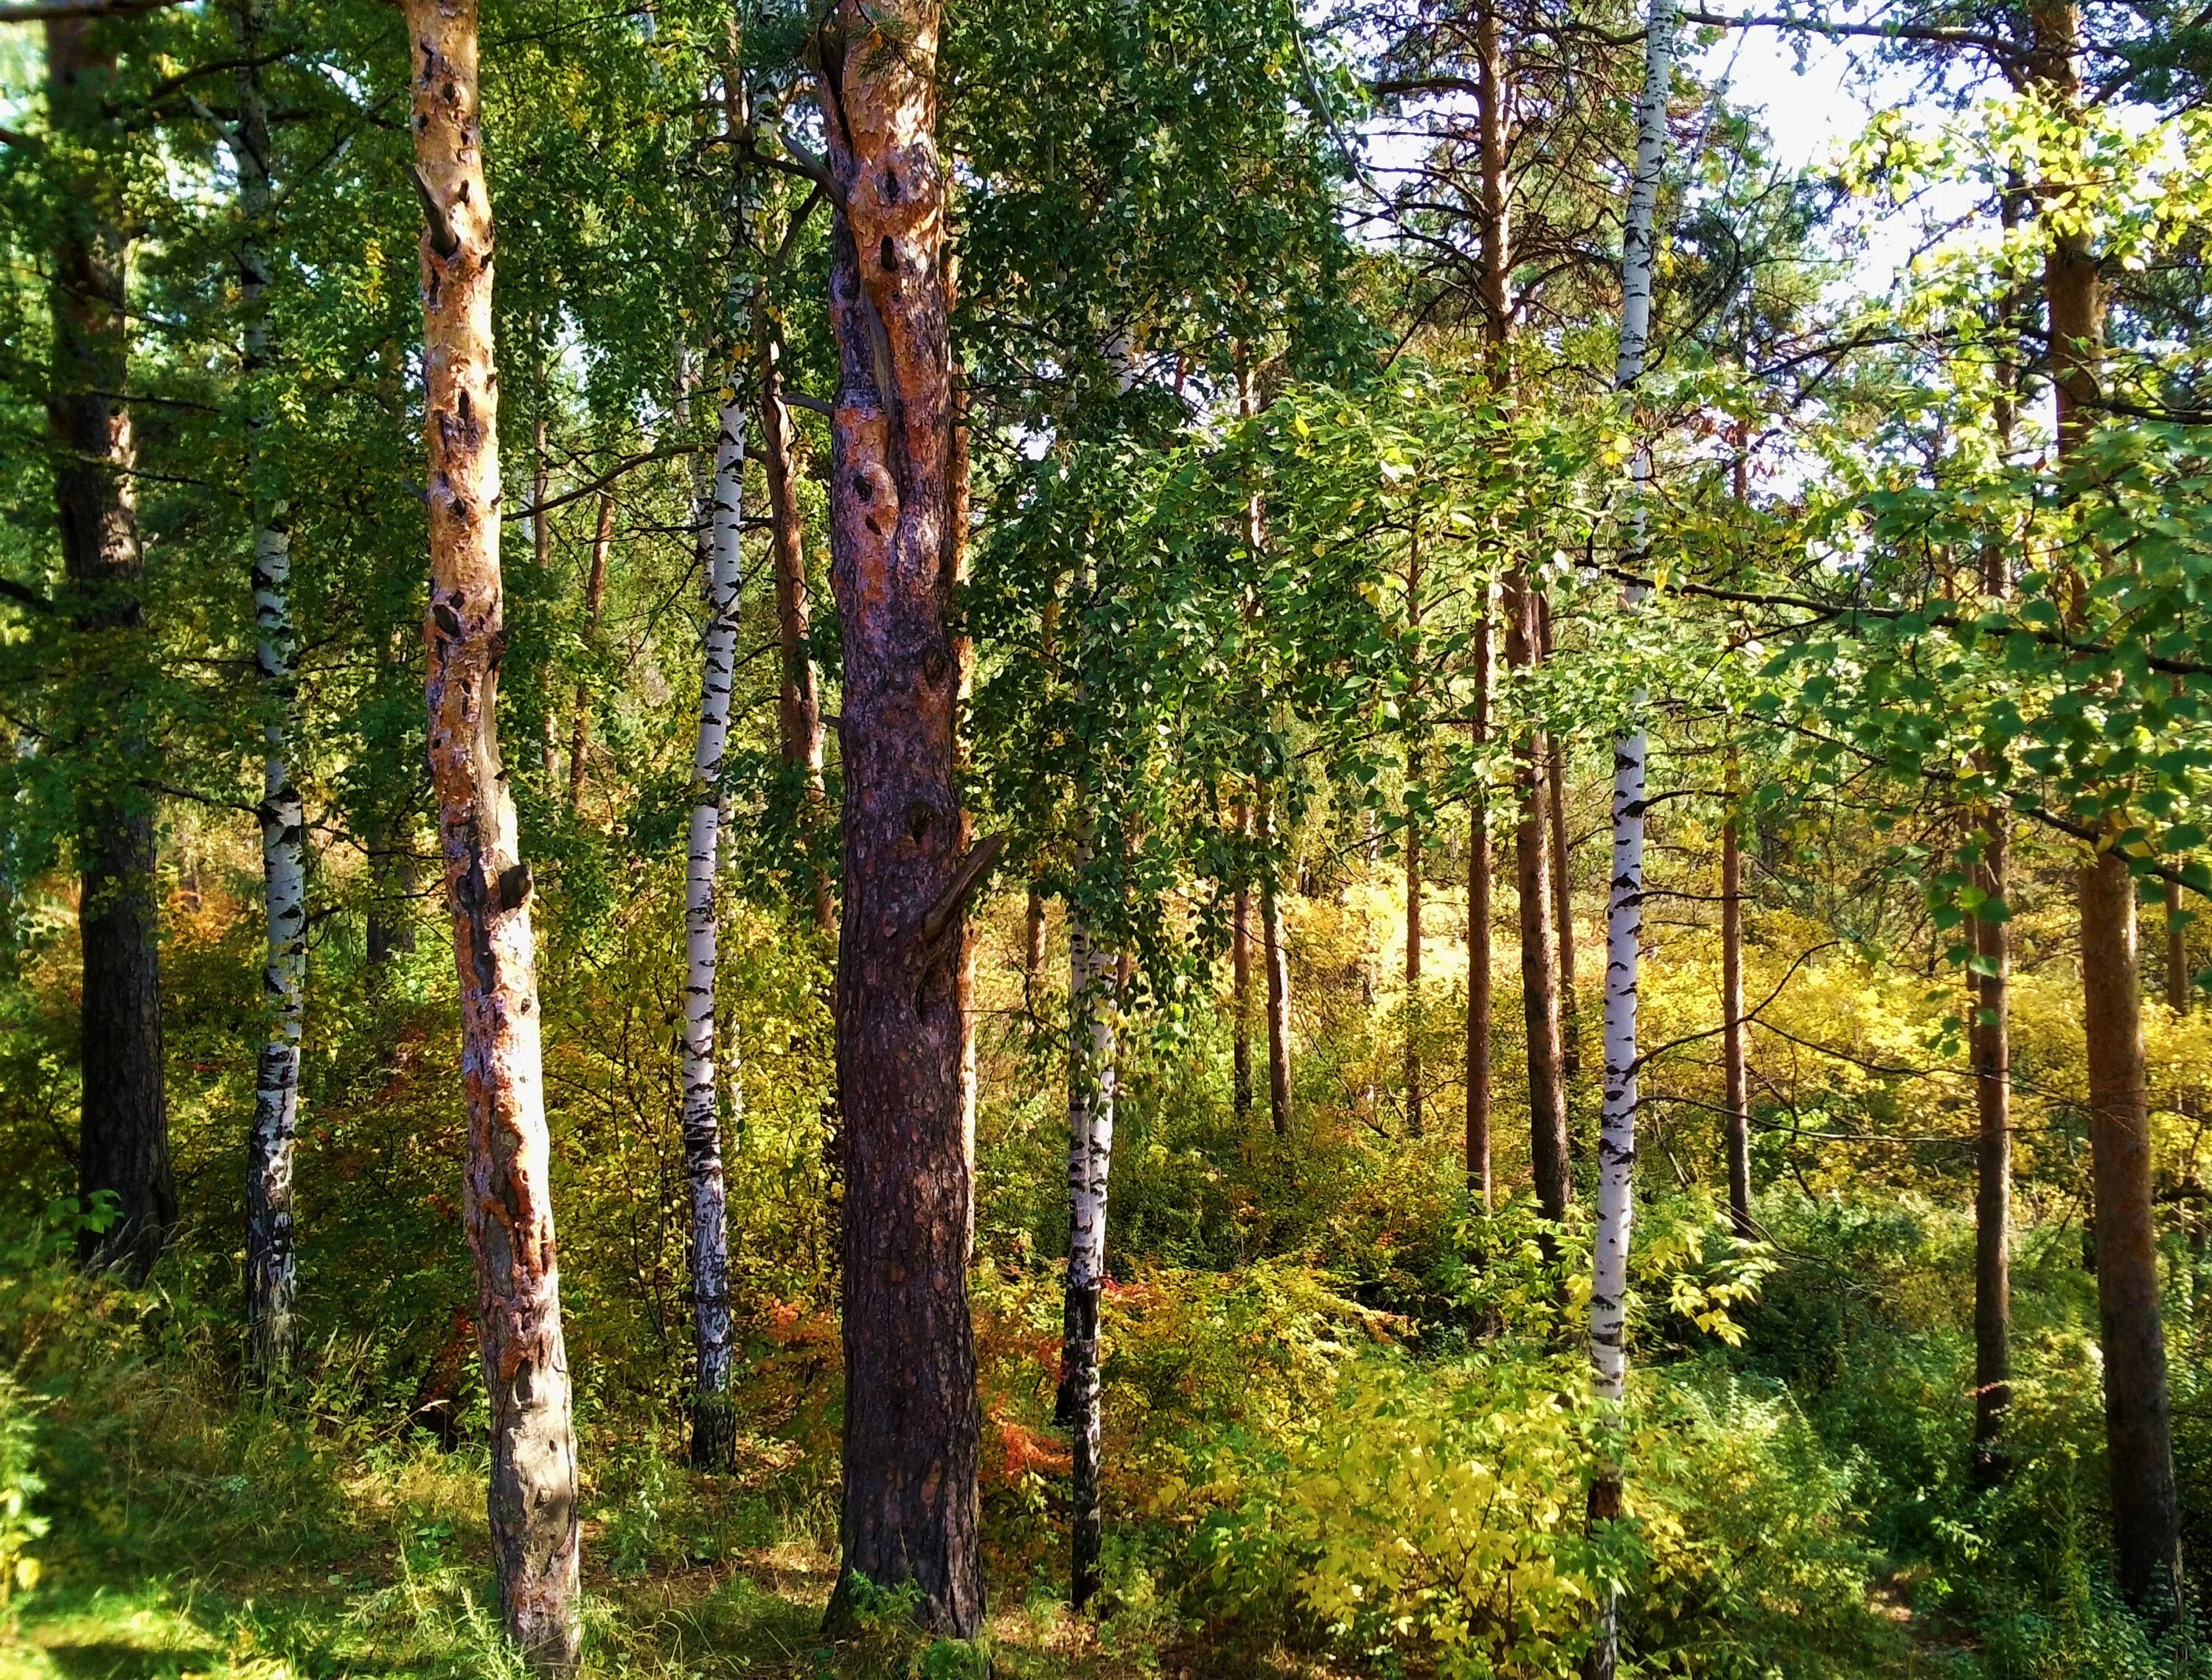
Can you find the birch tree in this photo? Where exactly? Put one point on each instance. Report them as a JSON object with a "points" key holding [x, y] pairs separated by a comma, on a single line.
{"points": [[713, 1424], [270, 1267], [1608, 1341]]}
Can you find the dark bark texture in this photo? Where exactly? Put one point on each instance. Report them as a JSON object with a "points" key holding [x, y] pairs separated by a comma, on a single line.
{"points": [[123, 1145], [912, 1426]]}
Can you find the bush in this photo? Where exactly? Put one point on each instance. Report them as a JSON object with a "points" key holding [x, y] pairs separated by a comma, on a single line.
{"points": [[19, 1523], [1436, 1514]]}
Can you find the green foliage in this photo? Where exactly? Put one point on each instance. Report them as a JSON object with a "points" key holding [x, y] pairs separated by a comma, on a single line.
{"points": [[20, 1485]]}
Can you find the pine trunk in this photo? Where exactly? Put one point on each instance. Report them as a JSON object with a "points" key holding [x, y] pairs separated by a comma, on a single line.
{"points": [[595, 596], [2138, 1431], [123, 1146], [2177, 952], [1491, 98], [713, 1433], [912, 1425], [2138, 1434], [1735, 1045], [1563, 897], [1414, 1117], [1540, 980], [1275, 954], [798, 699], [1240, 972], [271, 1271], [1477, 934], [507, 1207], [1992, 1052]]}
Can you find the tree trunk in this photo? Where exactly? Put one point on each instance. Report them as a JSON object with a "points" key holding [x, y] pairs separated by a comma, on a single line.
{"points": [[714, 1427], [123, 1147], [1491, 97], [1414, 960], [1547, 1103], [1092, 1079], [2138, 1434], [541, 552], [1478, 931], [912, 1426], [1413, 862], [271, 1271], [1624, 942], [799, 700], [1992, 1052], [506, 1202], [1240, 972], [2177, 952], [1276, 955], [1734, 1035], [2139, 1445], [595, 596], [1563, 894]]}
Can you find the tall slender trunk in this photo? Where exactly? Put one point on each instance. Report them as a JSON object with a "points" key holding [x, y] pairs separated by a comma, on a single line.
{"points": [[799, 700], [2177, 952], [1540, 993], [1491, 96], [1734, 1035], [1624, 943], [595, 596], [1562, 893], [1991, 1042], [1478, 930], [1275, 956], [1413, 1118], [714, 1428], [271, 1272], [912, 1425], [1093, 1053], [395, 871], [1413, 864], [2139, 1443], [1240, 972], [1992, 1053], [123, 1146], [541, 553], [507, 1207]]}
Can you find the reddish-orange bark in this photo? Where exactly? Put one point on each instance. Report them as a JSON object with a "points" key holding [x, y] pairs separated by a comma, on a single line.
{"points": [[507, 1206], [911, 1421]]}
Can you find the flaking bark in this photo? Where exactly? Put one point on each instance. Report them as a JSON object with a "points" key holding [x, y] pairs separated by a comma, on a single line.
{"points": [[911, 1425], [507, 1207]]}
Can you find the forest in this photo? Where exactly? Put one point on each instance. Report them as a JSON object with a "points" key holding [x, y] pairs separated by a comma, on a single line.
{"points": [[1297, 837]]}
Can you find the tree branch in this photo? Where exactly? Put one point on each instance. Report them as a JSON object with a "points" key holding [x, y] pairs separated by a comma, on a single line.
{"points": [[44, 11], [665, 453], [954, 899], [1997, 47]]}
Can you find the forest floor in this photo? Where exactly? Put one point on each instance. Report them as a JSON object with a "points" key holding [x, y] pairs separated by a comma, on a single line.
{"points": [[159, 1571]]}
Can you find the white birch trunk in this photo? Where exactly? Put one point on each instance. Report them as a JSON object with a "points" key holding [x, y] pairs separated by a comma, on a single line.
{"points": [[711, 1436], [1625, 911], [1092, 1072], [271, 1282]]}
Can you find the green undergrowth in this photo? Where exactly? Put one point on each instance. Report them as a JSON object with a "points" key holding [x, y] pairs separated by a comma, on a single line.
{"points": [[1300, 1483]]}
